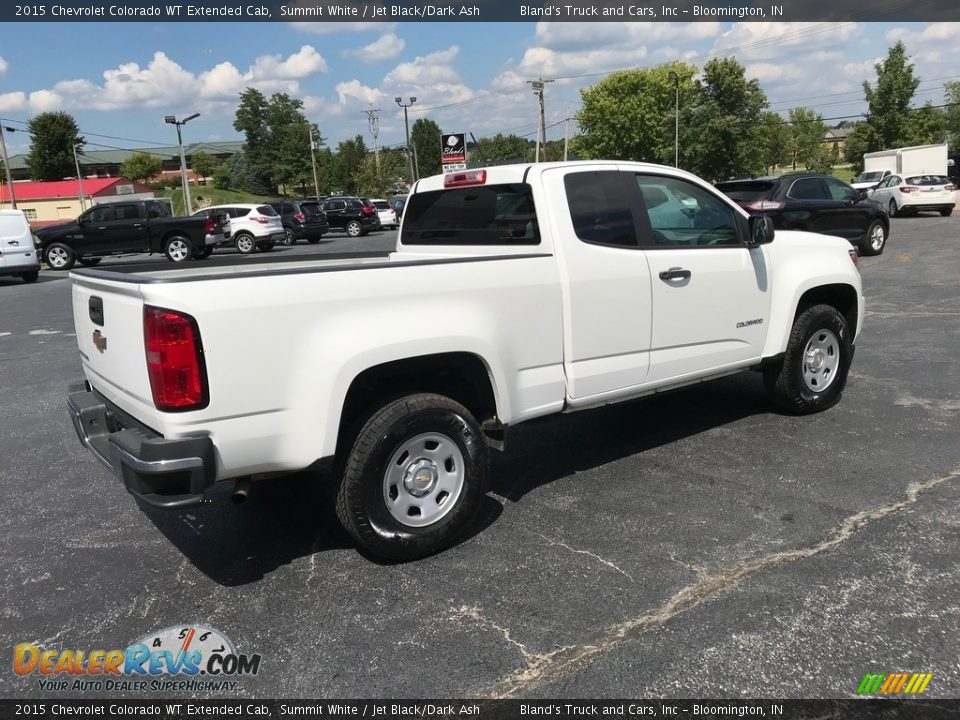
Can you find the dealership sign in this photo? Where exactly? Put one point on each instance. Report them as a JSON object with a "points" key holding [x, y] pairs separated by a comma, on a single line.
{"points": [[453, 151]]}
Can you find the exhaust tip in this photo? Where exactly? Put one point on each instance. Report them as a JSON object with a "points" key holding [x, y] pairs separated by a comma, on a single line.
{"points": [[241, 492]]}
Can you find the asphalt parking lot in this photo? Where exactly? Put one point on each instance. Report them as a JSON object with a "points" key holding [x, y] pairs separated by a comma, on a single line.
{"points": [[691, 545]]}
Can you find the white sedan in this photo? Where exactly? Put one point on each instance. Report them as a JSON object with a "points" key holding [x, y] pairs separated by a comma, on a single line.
{"points": [[913, 193]]}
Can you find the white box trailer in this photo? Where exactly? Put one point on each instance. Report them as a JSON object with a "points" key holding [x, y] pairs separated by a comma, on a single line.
{"points": [[916, 160]]}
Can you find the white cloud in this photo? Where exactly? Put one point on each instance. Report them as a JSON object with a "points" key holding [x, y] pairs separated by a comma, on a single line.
{"points": [[303, 63], [13, 101], [933, 32], [383, 48], [752, 41], [3, 66], [425, 69], [45, 100], [354, 90], [579, 36], [330, 28]]}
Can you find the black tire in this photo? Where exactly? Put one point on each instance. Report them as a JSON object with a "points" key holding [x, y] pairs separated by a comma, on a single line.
{"points": [[314, 240], [354, 228], [202, 253], [875, 240], [362, 496], [946, 212], [244, 243], [288, 238], [30, 277], [89, 262], [892, 208], [785, 381], [265, 246], [59, 256], [178, 249]]}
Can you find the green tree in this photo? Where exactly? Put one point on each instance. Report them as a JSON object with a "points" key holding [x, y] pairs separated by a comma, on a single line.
{"points": [[502, 149], [251, 120], [721, 129], [888, 102], [776, 141], [859, 141], [426, 137], [53, 137], [203, 164], [141, 166], [807, 131], [952, 112], [221, 176], [630, 115], [926, 125], [393, 169], [350, 161]]}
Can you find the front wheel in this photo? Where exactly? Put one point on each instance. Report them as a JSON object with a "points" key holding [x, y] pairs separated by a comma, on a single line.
{"points": [[875, 240], [414, 477], [946, 212], [202, 253], [89, 261], [354, 229], [30, 277], [59, 256], [314, 240], [178, 249], [288, 238], [813, 372]]}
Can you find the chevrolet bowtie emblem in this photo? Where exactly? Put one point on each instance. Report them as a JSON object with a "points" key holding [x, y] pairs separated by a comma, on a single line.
{"points": [[99, 340]]}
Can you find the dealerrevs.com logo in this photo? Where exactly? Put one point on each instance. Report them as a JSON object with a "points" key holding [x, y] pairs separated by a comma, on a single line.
{"points": [[180, 658]]}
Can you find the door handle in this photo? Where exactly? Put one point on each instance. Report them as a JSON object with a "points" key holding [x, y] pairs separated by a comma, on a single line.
{"points": [[104, 227], [675, 274], [138, 224]]}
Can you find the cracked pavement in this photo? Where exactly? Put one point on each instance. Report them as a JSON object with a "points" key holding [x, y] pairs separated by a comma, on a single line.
{"points": [[690, 545]]}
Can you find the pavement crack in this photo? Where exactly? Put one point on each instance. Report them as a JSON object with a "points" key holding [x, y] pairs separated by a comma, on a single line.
{"points": [[534, 660], [541, 670], [585, 552]]}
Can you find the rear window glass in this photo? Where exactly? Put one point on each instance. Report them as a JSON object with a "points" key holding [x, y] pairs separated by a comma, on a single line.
{"points": [[745, 192], [310, 208], [927, 180], [600, 209], [266, 210], [12, 225], [381, 205], [481, 215]]}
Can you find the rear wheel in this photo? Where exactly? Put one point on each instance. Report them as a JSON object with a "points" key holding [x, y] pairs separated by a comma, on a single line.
{"points": [[813, 372], [314, 240], [288, 238], [414, 477], [89, 261], [892, 208], [30, 277], [946, 212], [354, 229], [178, 249], [245, 243], [876, 239], [59, 256]]}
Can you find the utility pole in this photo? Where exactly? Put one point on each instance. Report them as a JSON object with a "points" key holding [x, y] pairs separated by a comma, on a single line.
{"points": [[373, 118], [6, 166], [537, 87], [313, 162], [676, 119], [406, 125], [172, 120], [76, 164], [566, 135]]}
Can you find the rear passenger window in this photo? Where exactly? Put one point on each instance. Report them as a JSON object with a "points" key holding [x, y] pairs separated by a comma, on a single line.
{"points": [[686, 215], [600, 209], [808, 189], [481, 215]]}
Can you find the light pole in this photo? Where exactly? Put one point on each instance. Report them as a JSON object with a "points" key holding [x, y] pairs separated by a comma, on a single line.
{"points": [[76, 164], [406, 125], [676, 119], [172, 120], [537, 87], [313, 163], [6, 166]]}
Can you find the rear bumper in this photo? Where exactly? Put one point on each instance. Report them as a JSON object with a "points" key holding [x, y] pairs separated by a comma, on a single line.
{"points": [[162, 473], [310, 230]]}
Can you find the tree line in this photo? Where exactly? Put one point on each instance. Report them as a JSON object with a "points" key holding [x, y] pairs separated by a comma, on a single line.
{"points": [[723, 123]]}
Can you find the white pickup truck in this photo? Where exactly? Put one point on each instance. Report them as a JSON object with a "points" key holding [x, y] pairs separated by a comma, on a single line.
{"points": [[514, 292]]}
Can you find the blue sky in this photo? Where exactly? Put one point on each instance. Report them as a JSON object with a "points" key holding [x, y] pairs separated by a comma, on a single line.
{"points": [[121, 79]]}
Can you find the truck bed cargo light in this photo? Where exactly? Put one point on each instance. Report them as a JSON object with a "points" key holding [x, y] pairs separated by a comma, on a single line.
{"points": [[462, 179]]}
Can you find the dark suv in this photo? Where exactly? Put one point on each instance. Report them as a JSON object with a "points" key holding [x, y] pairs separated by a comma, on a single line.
{"points": [[351, 215], [816, 203], [301, 219]]}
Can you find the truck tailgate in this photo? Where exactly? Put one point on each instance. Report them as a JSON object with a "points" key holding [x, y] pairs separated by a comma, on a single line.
{"points": [[108, 317]]}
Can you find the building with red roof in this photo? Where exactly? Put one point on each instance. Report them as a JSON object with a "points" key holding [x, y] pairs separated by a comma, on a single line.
{"points": [[49, 202]]}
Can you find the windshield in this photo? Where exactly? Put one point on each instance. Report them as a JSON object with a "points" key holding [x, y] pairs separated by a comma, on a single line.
{"points": [[869, 176], [745, 191]]}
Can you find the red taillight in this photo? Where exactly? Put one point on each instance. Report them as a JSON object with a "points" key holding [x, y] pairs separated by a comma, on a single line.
{"points": [[949, 188], [209, 226], [178, 376], [299, 217], [367, 210], [262, 219], [461, 179], [758, 205], [907, 189]]}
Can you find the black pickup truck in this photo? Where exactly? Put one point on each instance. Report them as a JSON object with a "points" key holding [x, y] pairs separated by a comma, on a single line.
{"points": [[137, 226]]}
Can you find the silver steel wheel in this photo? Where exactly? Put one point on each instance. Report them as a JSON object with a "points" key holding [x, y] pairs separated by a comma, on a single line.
{"points": [[877, 237], [354, 229], [288, 237], [423, 479], [245, 244], [178, 250], [57, 257], [821, 358]]}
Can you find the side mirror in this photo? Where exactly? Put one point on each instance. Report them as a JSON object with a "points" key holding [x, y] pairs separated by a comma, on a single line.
{"points": [[761, 229]]}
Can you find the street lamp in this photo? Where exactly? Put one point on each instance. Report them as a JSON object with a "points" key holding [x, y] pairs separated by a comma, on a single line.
{"points": [[76, 162], [172, 120], [406, 125], [676, 120]]}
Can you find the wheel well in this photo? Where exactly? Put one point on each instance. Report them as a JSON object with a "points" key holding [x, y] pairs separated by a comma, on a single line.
{"points": [[842, 297], [174, 234], [460, 376]]}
